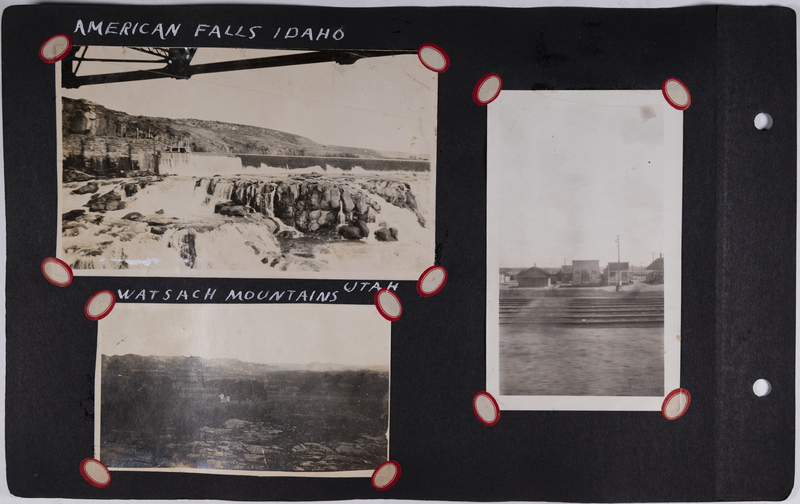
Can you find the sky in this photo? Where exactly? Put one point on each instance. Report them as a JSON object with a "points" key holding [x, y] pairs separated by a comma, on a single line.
{"points": [[385, 103], [574, 170], [279, 334]]}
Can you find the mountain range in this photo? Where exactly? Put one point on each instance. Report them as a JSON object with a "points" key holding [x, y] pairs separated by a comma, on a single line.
{"points": [[221, 366]]}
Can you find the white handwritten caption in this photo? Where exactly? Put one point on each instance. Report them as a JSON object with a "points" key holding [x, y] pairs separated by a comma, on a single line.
{"points": [[129, 28]]}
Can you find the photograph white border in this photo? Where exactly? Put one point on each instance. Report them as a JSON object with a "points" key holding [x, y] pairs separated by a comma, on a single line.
{"points": [[363, 317], [430, 135], [673, 201]]}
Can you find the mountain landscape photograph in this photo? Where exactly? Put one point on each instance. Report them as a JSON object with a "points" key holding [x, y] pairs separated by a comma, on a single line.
{"points": [[308, 170], [223, 396], [187, 412]]}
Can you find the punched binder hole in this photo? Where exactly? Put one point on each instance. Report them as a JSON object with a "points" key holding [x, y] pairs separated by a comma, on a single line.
{"points": [[762, 387], [763, 121]]}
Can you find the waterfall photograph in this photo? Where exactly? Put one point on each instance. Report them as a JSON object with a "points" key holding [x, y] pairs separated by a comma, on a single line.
{"points": [[302, 170]]}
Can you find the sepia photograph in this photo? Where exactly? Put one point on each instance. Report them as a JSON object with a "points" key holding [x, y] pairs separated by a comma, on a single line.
{"points": [[264, 390], [241, 163], [583, 257]]}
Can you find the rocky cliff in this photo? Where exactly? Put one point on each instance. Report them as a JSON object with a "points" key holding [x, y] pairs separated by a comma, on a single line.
{"points": [[101, 141], [312, 205]]}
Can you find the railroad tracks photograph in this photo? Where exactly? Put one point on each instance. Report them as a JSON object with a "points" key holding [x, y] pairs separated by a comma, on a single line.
{"points": [[584, 231], [574, 341]]}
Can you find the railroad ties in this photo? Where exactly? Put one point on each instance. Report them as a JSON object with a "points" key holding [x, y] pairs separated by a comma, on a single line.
{"points": [[607, 311]]}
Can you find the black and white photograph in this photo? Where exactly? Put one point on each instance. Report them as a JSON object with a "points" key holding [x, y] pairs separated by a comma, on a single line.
{"points": [[263, 390], [248, 163], [583, 256]]}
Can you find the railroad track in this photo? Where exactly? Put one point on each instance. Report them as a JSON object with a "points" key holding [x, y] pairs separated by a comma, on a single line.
{"points": [[606, 311]]}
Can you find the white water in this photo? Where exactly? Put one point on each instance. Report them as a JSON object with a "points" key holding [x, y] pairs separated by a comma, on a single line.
{"points": [[173, 163], [230, 244], [202, 165], [134, 247], [208, 165]]}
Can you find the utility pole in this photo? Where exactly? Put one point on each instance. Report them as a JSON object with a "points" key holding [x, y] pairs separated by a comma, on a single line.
{"points": [[617, 263]]}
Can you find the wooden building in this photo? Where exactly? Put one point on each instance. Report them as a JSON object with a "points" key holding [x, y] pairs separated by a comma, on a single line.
{"points": [[586, 272], [654, 273], [564, 275], [509, 274], [613, 269], [535, 277]]}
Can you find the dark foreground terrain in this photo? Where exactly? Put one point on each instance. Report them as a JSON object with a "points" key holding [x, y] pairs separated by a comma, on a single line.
{"points": [[175, 412], [581, 342]]}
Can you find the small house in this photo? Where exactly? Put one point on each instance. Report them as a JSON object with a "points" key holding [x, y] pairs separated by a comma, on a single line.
{"points": [[615, 269], [535, 277], [509, 274], [586, 272], [654, 273], [564, 274]]}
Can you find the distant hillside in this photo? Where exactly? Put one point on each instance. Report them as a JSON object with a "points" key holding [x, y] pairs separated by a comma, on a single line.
{"points": [[220, 367], [83, 118]]}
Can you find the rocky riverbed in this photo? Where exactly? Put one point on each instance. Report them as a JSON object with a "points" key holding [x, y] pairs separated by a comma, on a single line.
{"points": [[309, 222]]}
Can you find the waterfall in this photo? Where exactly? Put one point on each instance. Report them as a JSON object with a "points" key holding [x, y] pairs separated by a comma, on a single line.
{"points": [[179, 231], [271, 201], [193, 164], [220, 188], [341, 212]]}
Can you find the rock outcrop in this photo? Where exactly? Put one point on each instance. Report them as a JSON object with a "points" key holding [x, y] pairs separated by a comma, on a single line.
{"points": [[91, 187], [130, 189], [108, 201], [387, 234], [231, 209], [350, 232], [72, 214], [397, 193], [71, 175], [307, 205]]}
